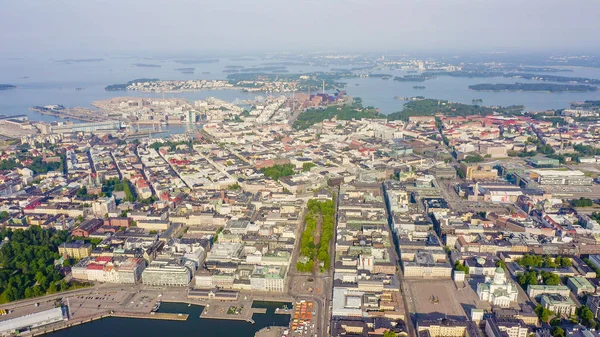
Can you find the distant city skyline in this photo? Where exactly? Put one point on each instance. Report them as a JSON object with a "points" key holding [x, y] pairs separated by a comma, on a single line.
{"points": [[216, 27]]}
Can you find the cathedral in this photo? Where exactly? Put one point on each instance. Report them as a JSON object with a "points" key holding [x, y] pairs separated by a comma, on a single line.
{"points": [[498, 290]]}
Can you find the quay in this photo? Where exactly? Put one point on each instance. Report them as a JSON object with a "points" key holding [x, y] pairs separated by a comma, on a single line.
{"points": [[152, 315], [71, 323], [220, 311]]}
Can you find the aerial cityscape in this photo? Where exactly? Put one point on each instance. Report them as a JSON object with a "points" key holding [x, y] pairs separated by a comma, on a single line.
{"points": [[233, 170]]}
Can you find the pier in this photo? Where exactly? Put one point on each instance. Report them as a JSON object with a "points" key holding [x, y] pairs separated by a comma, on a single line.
{"points": [[153, 315], [220, 311]]}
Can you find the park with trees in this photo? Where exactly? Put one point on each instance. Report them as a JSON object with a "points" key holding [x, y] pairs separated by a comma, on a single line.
{"points": [[27, 260], [277, 171], [318, 213]]}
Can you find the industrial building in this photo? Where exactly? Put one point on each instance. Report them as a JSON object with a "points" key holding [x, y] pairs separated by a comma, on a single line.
{"points": [[556, 177], [31, 321], [86, 127]]}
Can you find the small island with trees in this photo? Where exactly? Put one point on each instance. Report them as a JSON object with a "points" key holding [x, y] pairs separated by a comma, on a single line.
{"points": [[7, 86]]}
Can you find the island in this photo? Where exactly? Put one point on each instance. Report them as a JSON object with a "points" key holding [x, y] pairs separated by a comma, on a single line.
{"points": [[267, 68], [147, 65], [554, 78], [68, 61], [186, 70], [7, 86], [382, 76], [199, 61], [414, 78], [122, 87], [544, 87]]}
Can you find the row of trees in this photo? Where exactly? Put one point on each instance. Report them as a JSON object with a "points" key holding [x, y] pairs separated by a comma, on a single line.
{"points": [[325, 212], [533, 277], [473, 158], [27, 260], [544, 261], [582, 202], [593, 266], [327, 209]]}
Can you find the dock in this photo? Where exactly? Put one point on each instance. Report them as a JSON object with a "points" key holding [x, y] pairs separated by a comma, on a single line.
{"points": [[219, 312], [152, 315]]}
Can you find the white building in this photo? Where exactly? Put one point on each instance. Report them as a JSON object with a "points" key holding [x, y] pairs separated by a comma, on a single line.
{"points": [[103, 206], [268, 278], [168, 273], [498, 290]]}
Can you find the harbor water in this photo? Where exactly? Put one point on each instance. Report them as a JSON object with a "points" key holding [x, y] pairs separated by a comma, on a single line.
{"points": [[194, 326]]}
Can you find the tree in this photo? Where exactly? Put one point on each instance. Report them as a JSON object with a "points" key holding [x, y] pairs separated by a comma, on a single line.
{"points": [[277, 171], [586, 316], [557, 332], [82, 192], [583, 202], [234, 187], [28, 258], [528, 278], [307, 166], [543, 313], [460, 267], [473, 158], [501, 264], [550, 279]]}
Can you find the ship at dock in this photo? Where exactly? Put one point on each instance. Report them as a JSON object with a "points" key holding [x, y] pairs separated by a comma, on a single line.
{"points": [[156, 306]]}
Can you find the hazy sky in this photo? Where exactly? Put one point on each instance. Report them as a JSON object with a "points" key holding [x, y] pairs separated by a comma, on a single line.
{"points": [[176, 26]]}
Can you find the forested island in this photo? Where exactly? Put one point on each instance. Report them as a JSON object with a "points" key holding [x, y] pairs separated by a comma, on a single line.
{"points": [[121, 87], [7, 86], [382, 76], [553, 78], [260, 69], [463, 73], [67, 61], [546, 87], [413, 78], [147, 65], [186, 70], [315, 80], [199, 61]]}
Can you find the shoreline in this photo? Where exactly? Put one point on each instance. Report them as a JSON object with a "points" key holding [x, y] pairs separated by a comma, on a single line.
{"points": [[181, 317]]}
